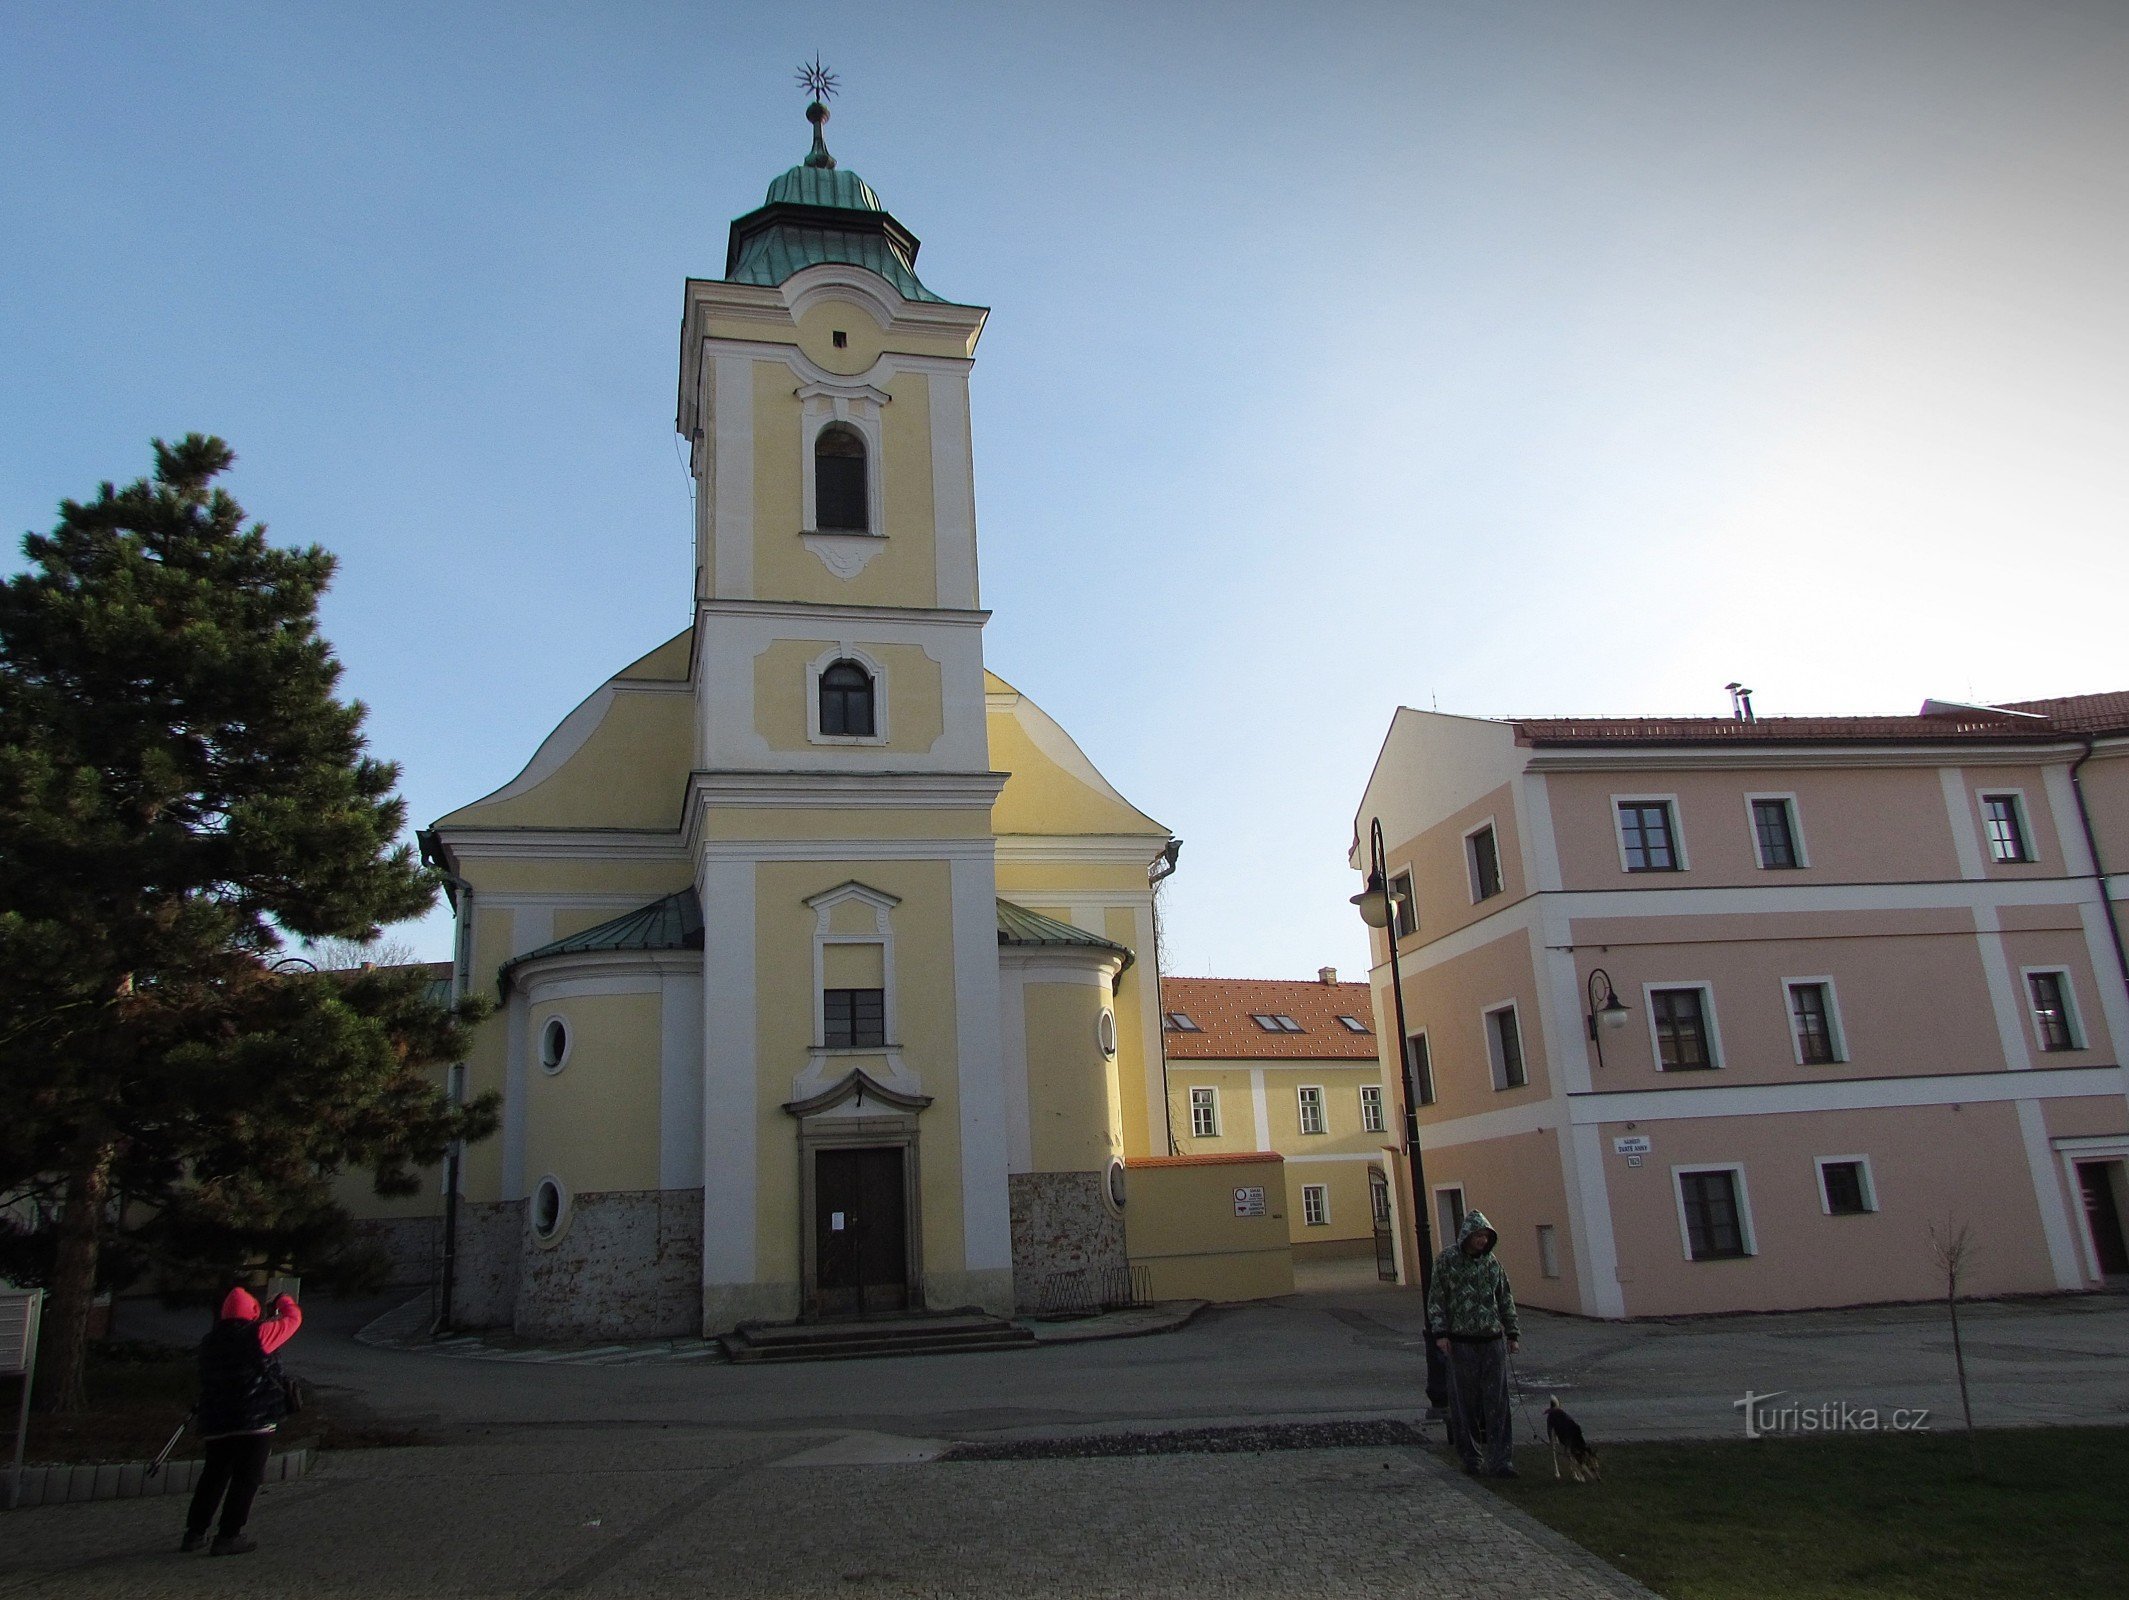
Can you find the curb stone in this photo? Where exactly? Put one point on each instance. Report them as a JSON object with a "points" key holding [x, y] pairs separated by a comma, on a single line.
{"points": [[79, 1482]]}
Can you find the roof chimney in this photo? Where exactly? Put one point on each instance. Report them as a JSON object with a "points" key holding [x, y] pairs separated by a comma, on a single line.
{"points": [[1326, 975]]}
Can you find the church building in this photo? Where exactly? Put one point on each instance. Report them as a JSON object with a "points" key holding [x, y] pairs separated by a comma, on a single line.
{"points": [[824, 959]]}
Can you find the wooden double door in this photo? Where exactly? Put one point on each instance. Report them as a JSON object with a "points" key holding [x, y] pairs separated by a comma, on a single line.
{"points": [[860, 1231]]}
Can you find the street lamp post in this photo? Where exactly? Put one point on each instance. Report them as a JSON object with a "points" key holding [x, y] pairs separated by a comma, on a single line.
{"points": [[1377, 911]]}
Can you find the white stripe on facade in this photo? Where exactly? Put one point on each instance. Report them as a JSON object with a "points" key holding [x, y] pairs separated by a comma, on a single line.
{"points": [[732, 415], [731, 1091], [2003, 990], [1590, 1222], [985, 1214], [1541, 846], [952, 481], [1959, 811], [1854, 1094], [1260, 1108], [2047, 1191]]}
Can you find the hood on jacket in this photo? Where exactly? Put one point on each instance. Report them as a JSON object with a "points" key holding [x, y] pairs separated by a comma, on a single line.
{"points": [[240, 1305], [1475, 1222]]}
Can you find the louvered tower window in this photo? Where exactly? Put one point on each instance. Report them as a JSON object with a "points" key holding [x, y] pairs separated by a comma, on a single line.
{"points": [[840, 501]]}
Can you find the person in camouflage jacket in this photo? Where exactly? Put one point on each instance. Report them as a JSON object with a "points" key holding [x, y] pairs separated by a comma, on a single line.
{"points": [[1470, 1317]]}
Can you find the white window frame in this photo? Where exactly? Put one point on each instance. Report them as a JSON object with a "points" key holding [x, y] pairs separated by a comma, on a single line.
{"points": [[539, 1043], [1744, 1208], [1211, 1103], [861, 415], [1796, 828], [1716, 1054], [1321, 1192], [1834, 1024], [1819, 1164], [1410, 879], [564, 1212], [1434, 1221], [1302, 1091], [845, 651], [2019, 808], [1371, 1112], [1685, 862], [882, 934], [2072, 1013], [1417, 1082], [1500, 865], [1496, 1066]]}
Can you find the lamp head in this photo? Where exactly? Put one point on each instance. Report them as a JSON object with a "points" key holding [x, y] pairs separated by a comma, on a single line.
{"points": [[1373, 902], [1613, 1013]]}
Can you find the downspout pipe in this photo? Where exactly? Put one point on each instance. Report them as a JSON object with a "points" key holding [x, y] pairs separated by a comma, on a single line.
{"points": [[2099, 871]]}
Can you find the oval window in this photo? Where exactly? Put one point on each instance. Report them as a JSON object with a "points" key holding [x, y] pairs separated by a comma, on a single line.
{"points": [[550, 1209], [1116, 1184], [554, 1044], [1105, 1031]]}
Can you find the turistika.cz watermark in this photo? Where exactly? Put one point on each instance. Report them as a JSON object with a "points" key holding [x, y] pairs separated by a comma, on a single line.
{"points": [[1764, 1417]]}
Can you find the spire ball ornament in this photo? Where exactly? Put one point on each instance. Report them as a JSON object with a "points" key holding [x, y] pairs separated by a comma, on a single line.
{"points": [[819, 82]]}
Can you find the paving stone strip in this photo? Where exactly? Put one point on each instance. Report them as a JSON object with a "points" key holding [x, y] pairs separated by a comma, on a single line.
{"points": [[1199, 1441]]}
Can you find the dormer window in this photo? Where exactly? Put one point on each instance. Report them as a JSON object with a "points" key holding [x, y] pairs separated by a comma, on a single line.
{"points": [[840, 500], [846, 700]]}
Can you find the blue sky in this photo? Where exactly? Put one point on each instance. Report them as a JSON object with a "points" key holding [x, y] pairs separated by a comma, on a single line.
{"points": [[1495, 355]]}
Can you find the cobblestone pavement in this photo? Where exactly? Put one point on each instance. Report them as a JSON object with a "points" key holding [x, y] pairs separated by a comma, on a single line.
{"points": [[635, 1512]]}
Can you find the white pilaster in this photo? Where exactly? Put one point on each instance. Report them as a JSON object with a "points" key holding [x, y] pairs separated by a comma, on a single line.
{"points": [[985, 1212], [731, 1113]]}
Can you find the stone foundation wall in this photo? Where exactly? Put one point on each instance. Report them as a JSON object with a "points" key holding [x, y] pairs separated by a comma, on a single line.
{"points": [[491, 1245], [627, 1266], [413, 1244], [1067, 1242]]}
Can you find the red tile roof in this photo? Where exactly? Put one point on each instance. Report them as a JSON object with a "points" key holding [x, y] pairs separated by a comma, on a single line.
{"points": [[1222, 1008], [2049, 721]]}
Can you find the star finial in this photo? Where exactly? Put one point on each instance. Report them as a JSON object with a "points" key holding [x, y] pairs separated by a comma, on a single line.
{"points": [[816, 79]]}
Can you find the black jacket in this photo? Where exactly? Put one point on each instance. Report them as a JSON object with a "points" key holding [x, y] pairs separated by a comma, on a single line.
{"points": [[240, 1384]]}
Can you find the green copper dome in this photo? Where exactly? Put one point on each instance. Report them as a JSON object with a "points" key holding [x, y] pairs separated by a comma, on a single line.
{"points": [[819, 212]]}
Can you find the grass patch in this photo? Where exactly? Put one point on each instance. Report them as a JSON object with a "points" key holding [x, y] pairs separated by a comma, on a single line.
{"points": [[1900, 1516], [139, 1392]]}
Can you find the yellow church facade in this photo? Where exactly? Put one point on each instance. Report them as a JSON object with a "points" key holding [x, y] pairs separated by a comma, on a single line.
{"points": [[823, 957]]}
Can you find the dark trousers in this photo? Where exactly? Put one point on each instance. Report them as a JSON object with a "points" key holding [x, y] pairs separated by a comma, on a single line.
{"points": [[1478, 1401], [234, 1464]]}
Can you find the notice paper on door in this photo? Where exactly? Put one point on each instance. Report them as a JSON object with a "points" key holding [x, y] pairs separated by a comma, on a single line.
{"points": [[835, 1222]]}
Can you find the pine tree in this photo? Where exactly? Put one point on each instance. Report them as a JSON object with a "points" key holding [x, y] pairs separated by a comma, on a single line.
{"points": [[179, 788]]}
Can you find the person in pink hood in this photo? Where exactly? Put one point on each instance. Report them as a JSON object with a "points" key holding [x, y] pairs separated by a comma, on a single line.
{"points": [[242, 1402]]}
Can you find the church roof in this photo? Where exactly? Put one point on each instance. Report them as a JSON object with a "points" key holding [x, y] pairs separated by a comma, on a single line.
{"points": [[818, 212], [675, 923], [1018, 925]]}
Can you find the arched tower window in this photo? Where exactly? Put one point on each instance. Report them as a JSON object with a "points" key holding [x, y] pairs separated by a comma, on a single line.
{"points": [[840, 499], [846, 700]]}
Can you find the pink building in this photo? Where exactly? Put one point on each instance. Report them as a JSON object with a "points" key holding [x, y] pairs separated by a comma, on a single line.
{"points": [[1716, 1015]]}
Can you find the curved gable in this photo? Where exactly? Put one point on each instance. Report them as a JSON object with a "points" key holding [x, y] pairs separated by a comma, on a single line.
{"points": [[1053, 787]]}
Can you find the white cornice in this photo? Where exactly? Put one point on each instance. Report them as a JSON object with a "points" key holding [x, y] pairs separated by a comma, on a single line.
{"points": [[1727, 757], [1843, 1094], [812, 791], [844, 850], [549, 844], [806, 610], [1117, 849], [597, 970]]}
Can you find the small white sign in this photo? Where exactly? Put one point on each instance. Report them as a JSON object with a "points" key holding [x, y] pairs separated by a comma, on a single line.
{"points": [[1631, 1144], [18, 1328], [1249, 1202], [835, 1222], [1633, 1161]]}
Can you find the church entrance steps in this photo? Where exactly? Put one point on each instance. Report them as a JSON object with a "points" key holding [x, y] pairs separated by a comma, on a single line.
{"points": [[873, 1336]]}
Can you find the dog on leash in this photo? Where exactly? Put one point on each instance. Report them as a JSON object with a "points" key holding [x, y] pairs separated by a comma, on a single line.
{"points": [[1563, 1433]]}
